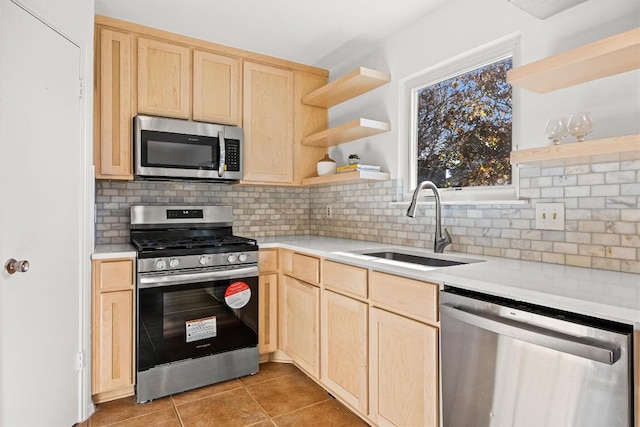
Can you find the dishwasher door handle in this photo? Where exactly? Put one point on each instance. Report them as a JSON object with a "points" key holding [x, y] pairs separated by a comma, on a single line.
{"points": [[587, 348]]}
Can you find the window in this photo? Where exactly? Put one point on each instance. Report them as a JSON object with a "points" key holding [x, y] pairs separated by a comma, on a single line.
{"points": [[460, 124]]}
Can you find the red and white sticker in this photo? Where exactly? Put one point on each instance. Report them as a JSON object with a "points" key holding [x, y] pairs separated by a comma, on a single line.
{"points": [[237, 295]]}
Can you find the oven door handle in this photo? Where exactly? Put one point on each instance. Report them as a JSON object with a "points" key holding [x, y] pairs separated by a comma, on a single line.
{"points": [[179, 279]]}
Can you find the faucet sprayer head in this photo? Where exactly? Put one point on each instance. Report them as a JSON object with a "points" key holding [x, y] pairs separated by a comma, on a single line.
{"points": [[411, 212]]}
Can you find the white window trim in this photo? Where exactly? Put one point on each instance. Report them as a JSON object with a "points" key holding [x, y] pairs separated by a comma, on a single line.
{"points": [[475, 58]]}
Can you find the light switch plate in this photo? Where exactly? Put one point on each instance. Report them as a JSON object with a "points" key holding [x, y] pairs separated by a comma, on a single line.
{"points": [[550, 216]]}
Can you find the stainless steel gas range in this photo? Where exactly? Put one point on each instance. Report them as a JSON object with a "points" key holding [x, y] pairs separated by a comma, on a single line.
{"points": [[197, 299]]}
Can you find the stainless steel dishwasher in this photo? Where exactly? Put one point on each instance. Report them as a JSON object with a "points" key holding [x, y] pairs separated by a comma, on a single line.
{"points": [[507, 363]]}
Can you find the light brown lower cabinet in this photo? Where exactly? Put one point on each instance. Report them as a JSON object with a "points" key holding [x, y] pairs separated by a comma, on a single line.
{"points": [[113, 349], [404, 371], [300, 323], [344, 349]]}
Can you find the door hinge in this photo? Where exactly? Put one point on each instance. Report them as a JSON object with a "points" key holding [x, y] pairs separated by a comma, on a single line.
{"points": [[80, 361], [81, 94]]}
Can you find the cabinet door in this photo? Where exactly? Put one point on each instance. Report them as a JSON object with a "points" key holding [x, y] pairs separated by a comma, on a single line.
{"points": [[216, 88], [344, 348], [268, 124], [268, 313], [113, 342], [113, 105], [404, 371], [164, 79], [300, 323]]}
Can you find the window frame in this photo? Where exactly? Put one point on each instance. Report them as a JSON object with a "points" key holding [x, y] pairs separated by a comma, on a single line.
{"points": [[507, 46]]}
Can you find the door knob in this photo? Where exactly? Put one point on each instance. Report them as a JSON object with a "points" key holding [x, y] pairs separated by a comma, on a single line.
{"points": [[13, 266]]}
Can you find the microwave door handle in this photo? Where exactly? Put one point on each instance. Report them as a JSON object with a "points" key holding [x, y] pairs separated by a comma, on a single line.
{"points": [[223, 154]]}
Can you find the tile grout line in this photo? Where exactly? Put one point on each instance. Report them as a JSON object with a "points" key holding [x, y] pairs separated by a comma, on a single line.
{"points": [[329, 397], [175, 410], [258, 403]]}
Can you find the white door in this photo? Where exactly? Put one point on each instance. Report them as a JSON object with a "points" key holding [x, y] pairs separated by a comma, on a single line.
{"points": [[40, 197]]}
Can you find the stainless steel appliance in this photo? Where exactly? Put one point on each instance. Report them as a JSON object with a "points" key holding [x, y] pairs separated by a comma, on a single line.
{"points": [[181, 149], [197, 299], [507, 363]]}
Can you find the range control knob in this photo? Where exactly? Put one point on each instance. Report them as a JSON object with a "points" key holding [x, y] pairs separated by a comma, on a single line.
{"points": [[161, 264], [204, 260], [232, 258], [173, 262], [242, 257]]}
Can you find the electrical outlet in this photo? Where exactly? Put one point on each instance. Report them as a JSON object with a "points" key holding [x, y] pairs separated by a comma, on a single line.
{"points": [[329, 214], [550, 216]]}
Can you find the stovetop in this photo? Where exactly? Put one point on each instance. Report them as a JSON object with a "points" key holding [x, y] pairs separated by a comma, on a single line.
{"points": [[173, 231], [177, 243]]}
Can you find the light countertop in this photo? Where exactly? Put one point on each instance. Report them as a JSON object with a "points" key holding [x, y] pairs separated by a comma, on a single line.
{"points": [[599, 293], [113, 251]]}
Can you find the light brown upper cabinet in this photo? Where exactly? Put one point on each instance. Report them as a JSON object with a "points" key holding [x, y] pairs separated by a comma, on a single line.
{"points": [[216, 88], [143, 70], [113, 104], [268, 124], [164, 79]]}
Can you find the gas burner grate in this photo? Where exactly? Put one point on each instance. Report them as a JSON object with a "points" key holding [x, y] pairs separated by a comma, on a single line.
{"points": [[142, 244]]}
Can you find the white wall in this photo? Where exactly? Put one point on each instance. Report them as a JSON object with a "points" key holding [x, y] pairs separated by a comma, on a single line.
{"points": [[462, 25]]}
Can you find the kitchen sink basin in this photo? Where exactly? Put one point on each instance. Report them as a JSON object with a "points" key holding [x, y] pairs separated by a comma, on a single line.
{"points": [[415, 259]]}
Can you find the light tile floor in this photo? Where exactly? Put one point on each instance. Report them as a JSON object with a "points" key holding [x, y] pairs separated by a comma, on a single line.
{"points": [[279, 395]]}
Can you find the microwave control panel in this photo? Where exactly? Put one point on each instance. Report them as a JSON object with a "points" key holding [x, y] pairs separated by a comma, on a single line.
{"points": [[232, 149]]}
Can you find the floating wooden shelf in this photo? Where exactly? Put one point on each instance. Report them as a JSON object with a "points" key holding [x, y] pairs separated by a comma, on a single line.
{"points": [[606, 57], [350, 131], [357, 82], [598, 151], [347, 177]]}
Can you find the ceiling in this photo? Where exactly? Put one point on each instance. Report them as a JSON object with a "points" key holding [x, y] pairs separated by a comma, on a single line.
{"points": [[305, 31]]}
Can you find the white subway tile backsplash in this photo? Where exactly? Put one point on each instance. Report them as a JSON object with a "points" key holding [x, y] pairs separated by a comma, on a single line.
{"points": [[606, 263], [605, 239], [530, 193], [577, 191], [602, 211], [591, 179], [552, 192], [630, 189], [592, 203]]}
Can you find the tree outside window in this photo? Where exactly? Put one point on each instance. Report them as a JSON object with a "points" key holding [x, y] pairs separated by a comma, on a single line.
{"points": [[464, 128]]}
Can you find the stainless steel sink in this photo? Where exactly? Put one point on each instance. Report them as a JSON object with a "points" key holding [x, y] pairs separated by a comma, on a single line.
{"points": [[414, 259], [418, 258]]}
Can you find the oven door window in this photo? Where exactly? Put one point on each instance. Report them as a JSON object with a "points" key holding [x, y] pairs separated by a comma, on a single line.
{"points": [[170, 150], [181, 322]]}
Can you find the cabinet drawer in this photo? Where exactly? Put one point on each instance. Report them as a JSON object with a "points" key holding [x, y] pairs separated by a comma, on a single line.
{"points": [[413, 297], [268, 260], [347, 278], [114, 274], [303, 267], [306, 268]]}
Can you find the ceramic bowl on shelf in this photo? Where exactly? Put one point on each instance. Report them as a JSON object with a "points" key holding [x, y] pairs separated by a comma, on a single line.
{"points": [[326, 166]]}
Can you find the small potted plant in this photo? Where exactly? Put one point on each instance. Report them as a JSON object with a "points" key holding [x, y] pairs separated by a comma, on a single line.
{"points": [[353, 159]]}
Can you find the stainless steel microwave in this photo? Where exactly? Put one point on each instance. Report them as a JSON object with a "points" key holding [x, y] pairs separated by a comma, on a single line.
{"points": [[182, 149]]}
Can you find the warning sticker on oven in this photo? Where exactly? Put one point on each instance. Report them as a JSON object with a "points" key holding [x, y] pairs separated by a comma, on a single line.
{"points": [[237, 295], [200, 329]]}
